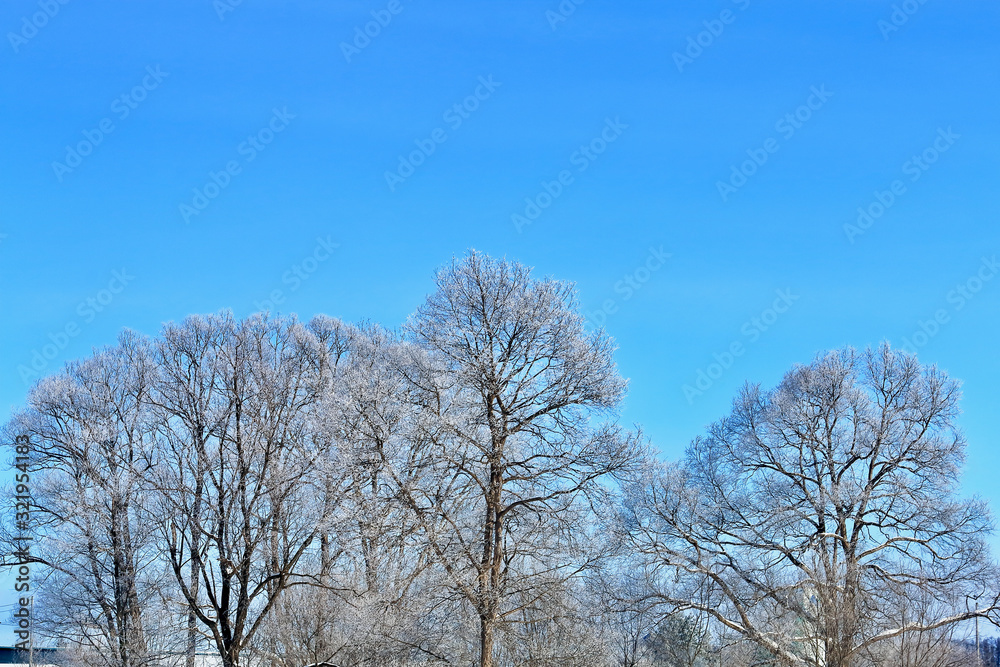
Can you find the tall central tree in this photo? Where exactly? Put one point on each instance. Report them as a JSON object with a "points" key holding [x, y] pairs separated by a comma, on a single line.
{"points": [[510, 389]]}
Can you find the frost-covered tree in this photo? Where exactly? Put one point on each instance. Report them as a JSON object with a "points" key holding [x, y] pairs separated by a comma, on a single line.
{"points": [[242, 481], [374, 563], [88, 432], [794, 517], [509, 391]]}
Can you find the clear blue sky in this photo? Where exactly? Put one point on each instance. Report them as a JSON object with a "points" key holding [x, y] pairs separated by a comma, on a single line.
{"points": [[663, 120]]}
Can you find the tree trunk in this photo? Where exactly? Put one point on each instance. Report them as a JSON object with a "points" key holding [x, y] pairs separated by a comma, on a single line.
{"points": [[489, 577], [192, 620], [486, 641], [195, 571]]}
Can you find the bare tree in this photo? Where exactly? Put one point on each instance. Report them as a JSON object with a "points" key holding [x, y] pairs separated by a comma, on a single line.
{"points": [[238, 483], [803, 505], [374, 565], [88, 429], [189, 403], [505, 384]]}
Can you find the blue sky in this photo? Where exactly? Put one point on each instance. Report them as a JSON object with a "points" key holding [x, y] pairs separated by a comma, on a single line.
{"points": [[163, 159]]}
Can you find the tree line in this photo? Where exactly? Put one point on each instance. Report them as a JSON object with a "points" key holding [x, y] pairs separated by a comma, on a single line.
{"points": [[462, 492]]}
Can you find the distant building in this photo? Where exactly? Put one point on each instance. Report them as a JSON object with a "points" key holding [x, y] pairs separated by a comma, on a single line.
{"points": [[45, 657], [41, 657]]}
